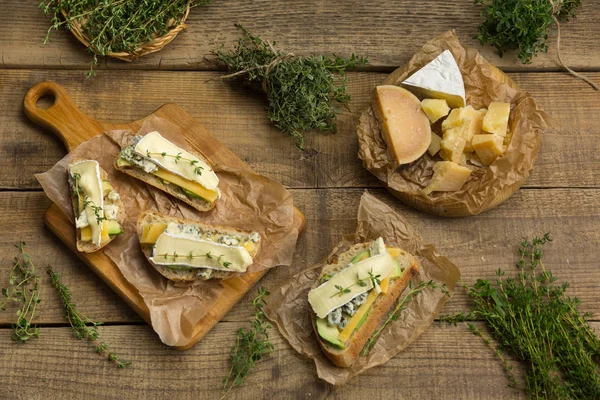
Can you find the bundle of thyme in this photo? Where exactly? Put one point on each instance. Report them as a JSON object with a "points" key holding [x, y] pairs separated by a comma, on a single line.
{"points": [[115, 26], [82, 326], [525, 26], [250, 347], [300, 90], [532, 319], [24, 288]]}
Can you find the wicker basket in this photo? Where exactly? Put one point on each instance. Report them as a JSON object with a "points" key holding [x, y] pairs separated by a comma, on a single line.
{"points": [[152, 46]]}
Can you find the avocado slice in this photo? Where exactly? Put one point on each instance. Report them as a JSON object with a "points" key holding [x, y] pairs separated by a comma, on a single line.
{"points": [[113, 227], [121, 162], [179, 267], [329, 333], [189, 194], [398, 270], [361, 256]]}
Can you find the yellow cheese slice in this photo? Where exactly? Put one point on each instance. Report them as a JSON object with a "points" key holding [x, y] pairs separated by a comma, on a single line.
{"points": [[435, 146], [473, 120], [90, 187], [453, 143], [384, 285], [362, 310], [435, 108], [151, 232], [86, 233], [394, 251], [194, 187], [249, 246], [496, 118], [447, 177]]}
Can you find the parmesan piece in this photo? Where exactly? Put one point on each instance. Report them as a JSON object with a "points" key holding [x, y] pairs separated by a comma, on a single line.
{"points": [[405, 127], [488, 147], [447, 177], [435, 108], [453, 143], [455, 119], [496, 119], [474, 122], [435, 146]]}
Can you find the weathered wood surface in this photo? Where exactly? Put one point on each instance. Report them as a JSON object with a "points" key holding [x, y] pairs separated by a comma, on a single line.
{"points": [[570, 154], [387, 32]]}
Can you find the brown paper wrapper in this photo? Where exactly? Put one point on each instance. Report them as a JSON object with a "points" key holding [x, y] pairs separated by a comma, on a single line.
{"points": [[487, 186], [288, 306], [249, 201]]}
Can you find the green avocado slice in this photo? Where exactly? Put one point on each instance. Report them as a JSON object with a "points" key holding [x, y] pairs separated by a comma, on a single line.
{"points": [[329, 333], [113, 227], [361, 256], [398, 270], [121, 162]]}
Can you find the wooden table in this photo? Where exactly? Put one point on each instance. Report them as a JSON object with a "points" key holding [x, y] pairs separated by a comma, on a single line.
{"points": [[562, 196]]}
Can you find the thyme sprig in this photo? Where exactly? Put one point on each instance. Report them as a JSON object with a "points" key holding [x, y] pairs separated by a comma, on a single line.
{"points": [[375, 280], [301, 91], [530, 318], [25, 288], [250, 347], [190, 256], [86, 200], [194, 163], [82, 326]]}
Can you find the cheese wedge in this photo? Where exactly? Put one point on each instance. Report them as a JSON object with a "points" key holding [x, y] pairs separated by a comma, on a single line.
{"points": [[447, 177], [496, 119], [454, 120], [86, 174], [435, 146], [404, 126], [488, 147], [435, 108], [473, 121], [440, 79], [453, 143]]}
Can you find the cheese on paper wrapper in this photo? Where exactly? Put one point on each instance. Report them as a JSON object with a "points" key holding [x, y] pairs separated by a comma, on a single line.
{"points": [[404, 126], [496, 118], [447, 177], [440, 79], [488, 147], [435, 109], [435, 146]]}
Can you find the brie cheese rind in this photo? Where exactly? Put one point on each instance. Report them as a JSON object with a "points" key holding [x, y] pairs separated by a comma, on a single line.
{"points": [[328, 296], [158, 150], [440, 79], [90, 185]]}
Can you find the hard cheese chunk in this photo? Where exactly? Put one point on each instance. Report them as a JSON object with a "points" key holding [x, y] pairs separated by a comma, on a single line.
{"points": [[454, 120], [440, 79], [473, 121], [328, 296], [435, 146], [404, 125], [447, 177], [488, 147], [453, 144], [496, 119], [183, 250], [435, 109], [151, 232], [90, 186]]}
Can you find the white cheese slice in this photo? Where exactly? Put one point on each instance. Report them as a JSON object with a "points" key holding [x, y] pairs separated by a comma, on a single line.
{"points": [[440, 79], [90, 186], [160, 151], [176, 249], [327, 297]]}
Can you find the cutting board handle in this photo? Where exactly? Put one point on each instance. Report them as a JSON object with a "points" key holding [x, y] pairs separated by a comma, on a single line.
{"points": [[62, 117]]}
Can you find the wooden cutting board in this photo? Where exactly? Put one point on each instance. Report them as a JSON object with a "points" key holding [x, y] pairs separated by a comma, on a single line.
{"points": [[74, 127]]}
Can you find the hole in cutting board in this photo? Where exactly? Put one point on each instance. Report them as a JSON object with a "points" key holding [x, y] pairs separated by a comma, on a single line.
{"points": [[46, 101]]}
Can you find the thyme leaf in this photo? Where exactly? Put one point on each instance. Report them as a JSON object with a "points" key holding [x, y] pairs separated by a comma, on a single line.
{"points": [[177, 157]]}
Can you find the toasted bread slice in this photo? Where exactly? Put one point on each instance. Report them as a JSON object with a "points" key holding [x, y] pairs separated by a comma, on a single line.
{"points": [[182, 275], [89, 247], [199, 204], [382, 305]]}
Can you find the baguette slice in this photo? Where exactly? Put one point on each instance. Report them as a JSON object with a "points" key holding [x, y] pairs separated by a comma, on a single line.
{"points": [[149, 217], [198, 203], [344, 358], [89, 247]]}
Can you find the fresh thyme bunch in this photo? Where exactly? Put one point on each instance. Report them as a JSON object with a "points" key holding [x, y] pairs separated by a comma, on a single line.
{"points": [[82, 326], [300, 90], [250, 347], [25, 289], [531, 319], [524, 26], [117, 25]]}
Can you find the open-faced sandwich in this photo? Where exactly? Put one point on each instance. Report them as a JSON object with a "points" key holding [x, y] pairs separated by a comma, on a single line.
{"points": [[160, 163], [354, 293], [186, 250], [97, 207], [441, 123]]}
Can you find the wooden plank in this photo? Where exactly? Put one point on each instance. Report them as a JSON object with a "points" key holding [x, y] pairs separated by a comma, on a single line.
{"points": [[570, 155], [387, 32], [478, 245], [446, 362]]}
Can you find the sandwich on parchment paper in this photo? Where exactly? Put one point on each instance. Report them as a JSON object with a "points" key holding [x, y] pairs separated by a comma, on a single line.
{"points": [[97, 207], [181, 173], [187, 250], [354, 293]]}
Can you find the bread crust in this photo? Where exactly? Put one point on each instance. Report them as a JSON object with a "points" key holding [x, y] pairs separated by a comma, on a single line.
{"points": [[89, 247], [172, 189], [185, 275], [344, 358]]}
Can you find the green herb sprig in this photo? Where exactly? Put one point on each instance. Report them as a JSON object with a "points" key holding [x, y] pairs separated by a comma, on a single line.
{"points": [[117, 25], [250, 347], [525, 26], [24, 288], [190, 256], [530, 318], [300, 90], [198, 169], [82, 326]]}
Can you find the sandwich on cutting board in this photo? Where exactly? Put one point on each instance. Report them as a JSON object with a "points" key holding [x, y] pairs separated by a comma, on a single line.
{"points": [[352, 296], [160, 163], [185, 250], [97, 207]]}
